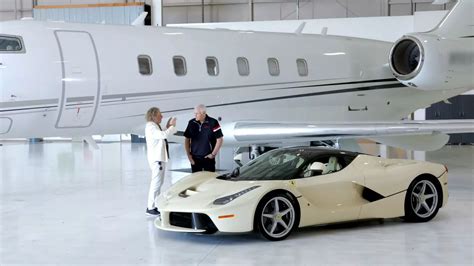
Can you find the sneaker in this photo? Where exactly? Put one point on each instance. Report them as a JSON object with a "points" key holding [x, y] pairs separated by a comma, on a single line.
{"points": [[153, 211]]}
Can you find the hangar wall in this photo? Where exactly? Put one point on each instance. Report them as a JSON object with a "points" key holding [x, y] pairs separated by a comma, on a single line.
{"points": [[189, 11]]}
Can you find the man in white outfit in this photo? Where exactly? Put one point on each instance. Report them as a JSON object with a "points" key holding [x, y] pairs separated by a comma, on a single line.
{"points": [[157, 152]]}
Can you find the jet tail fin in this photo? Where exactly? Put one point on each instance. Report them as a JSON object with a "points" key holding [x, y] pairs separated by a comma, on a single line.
{"points": [[458, 22]]}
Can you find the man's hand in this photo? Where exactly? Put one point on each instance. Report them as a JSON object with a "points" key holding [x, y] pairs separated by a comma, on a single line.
{"points": [[171, 122], [210, 156], [190, 158]]}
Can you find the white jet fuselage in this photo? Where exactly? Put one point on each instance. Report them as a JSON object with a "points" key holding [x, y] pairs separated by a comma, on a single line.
{"points": [[78, 79]]}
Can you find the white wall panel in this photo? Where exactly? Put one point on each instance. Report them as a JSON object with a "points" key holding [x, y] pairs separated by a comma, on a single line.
{"points": [[194, 14], [227, 13], [266, 12], [109, 15], [427, 7], [288, 11], [330, 9], [189, 11], [365, 8], [400, 10], [174, 15], [7, 16], [7, 4]]}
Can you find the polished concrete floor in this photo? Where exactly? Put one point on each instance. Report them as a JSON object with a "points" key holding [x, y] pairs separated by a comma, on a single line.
{"points": [[64, 204]]}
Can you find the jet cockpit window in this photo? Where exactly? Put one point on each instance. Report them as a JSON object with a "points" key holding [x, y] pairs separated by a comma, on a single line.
{"points": [[179, 64], [302, 67], [144, 65], [212, 66], [11, 44], [273, 67], [243, 66]]}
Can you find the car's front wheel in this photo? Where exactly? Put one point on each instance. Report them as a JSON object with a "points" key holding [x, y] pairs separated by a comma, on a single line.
{"points": [[276, 216], [422, 201]]}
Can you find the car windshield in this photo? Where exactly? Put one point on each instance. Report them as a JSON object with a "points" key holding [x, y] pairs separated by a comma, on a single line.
{"points": [[275, 165]]}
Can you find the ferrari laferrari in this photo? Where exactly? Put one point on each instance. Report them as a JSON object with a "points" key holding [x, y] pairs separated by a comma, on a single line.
{"points": [[288, 188]]}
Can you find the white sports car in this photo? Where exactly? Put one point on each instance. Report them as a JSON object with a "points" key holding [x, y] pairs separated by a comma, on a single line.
{"points": [[295, 187]]}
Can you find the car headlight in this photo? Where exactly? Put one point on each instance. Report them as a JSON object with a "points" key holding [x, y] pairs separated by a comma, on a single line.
{"points": [[227, 199]]}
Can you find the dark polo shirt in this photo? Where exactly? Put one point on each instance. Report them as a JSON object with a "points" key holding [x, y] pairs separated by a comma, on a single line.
{"points": [[203, 136]]}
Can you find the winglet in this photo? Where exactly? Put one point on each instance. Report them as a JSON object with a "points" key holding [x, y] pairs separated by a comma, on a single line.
{"points": [[140, 20], [299, 30]]}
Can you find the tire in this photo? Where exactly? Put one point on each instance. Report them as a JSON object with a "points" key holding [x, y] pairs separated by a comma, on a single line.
{"points": [[277, 215], [423, 200]]}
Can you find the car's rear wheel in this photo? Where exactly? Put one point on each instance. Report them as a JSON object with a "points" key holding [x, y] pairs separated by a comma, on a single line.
{"points": [[422, 200], [276, 216]]}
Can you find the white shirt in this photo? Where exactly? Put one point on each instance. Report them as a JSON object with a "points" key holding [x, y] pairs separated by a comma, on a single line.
{"points": [[155, 142]]}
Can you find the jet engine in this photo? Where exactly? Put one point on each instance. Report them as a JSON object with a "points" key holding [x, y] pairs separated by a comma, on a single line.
{"points": [[430, 62]]}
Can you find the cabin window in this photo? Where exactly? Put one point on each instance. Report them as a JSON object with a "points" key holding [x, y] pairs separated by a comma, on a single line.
{"points": [[273, 67], [11, 44], [179, 64], [144, 65], [243, 66], [212, 66], [302, 67]]}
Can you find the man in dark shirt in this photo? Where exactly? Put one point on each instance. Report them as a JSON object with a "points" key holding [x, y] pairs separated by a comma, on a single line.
{"points": [[203, 140]]}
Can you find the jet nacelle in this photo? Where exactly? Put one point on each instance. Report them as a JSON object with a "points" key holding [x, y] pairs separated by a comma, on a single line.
{"points": [[442, 58], [431, 62]]}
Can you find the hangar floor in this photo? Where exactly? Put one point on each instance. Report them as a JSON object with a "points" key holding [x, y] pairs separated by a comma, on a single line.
{"points": [[61, 203]]}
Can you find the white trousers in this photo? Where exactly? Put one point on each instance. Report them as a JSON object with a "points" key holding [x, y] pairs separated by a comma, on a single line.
{"points": [[157, 178]]}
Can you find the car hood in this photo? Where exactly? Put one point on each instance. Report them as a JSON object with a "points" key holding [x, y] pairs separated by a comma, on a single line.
{"points": [[199, 190]]}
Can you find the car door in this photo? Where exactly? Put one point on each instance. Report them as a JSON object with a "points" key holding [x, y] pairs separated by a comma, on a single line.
{"points": [[332, 197]]}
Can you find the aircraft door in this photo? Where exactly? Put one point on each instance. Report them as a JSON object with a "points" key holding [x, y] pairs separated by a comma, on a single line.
{"points": [[80, 79]]}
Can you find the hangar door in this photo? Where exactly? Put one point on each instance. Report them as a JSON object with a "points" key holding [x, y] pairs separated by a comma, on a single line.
{"points": [[80, 79]]}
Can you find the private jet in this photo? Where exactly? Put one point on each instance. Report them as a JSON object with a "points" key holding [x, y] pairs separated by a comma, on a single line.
{"points": [[70, 79]]}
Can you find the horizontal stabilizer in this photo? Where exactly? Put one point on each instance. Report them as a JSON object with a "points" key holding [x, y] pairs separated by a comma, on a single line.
{"points": [[418, 143]]}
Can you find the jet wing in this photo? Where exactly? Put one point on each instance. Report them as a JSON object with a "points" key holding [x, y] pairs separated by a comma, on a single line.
{"points": [[409, 134]]}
